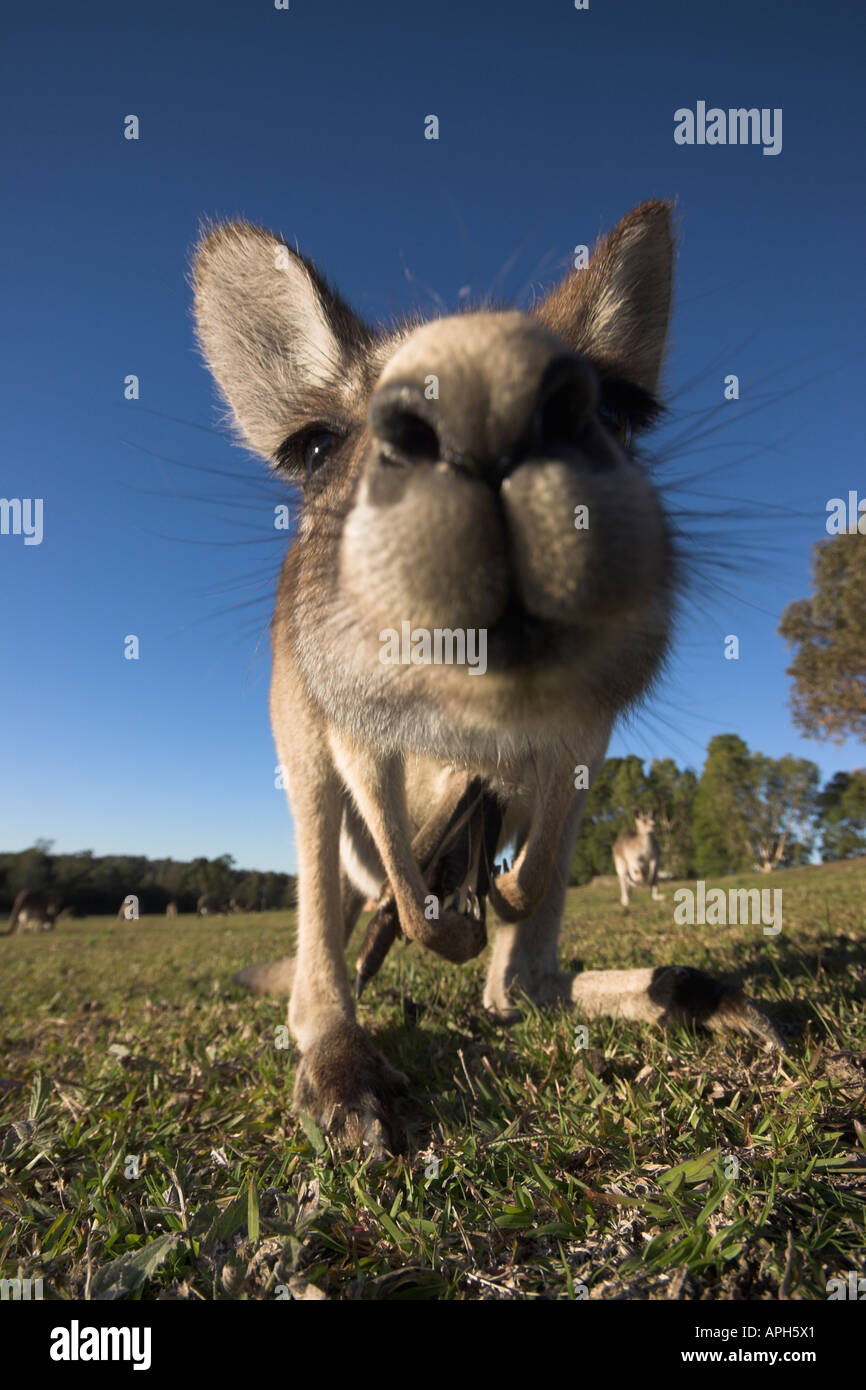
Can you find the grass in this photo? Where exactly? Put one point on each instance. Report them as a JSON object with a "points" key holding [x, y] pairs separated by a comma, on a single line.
{"points": [[146, 1149]]}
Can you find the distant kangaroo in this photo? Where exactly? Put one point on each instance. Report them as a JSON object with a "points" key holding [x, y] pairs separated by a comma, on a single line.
{"points": [[636, 857], [209, 905], [34, 910], [466, 481]]}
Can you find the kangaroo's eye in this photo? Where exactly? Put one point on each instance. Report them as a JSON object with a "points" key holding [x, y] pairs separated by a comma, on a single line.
{"points": [[617, 422], [304, 453], [317, 450], [625, 408]]}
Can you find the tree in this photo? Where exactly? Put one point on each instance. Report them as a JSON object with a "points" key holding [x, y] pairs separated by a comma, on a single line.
{"points": [[672, 795], [617, 790], [94, 885], [781, 806], [752, 810], [720, 825], [249, 891], [842, 816], [71, 871], [221, 877], [828, 634], [32, 868]]}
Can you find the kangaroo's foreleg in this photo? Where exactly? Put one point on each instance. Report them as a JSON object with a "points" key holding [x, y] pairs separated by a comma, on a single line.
{"points": [[457, 804], [519, 893], [378, 787], [342, 1081]]}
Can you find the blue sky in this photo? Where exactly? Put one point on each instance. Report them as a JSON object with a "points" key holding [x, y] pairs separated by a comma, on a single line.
{"points": [[553, 123]]}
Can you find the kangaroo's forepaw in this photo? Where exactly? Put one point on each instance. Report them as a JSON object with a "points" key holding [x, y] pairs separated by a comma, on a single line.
{"points": [[458, 936], [511, 900], [349, 1088]]}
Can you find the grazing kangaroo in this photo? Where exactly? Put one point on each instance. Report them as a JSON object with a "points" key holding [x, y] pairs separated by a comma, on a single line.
{"points": [[209, 905], [33, 910], [470, 475], [636, 858]]}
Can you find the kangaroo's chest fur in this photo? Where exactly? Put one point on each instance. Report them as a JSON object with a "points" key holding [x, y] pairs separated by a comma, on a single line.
{"points": [[641, 859]]}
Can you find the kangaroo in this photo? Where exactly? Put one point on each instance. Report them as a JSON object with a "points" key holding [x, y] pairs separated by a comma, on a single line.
{"points": [[171, 909], [33, 910], [209, 905], [636, 858], [474, 474]]}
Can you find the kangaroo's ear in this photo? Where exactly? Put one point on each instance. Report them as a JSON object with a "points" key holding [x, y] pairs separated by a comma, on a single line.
{"points": [[279, 341], [616, 310]]}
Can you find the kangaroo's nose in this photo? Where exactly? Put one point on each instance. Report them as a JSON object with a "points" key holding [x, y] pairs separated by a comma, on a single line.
{"points": [[483, 423], [404, 426]]}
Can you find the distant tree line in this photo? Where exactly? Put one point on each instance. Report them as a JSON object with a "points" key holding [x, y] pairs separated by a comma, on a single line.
{"points": [[90, 884], [744, 811]]}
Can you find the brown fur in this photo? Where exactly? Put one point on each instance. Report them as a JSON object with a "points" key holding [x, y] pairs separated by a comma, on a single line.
{"points": [[209, 905], [461, 451], [34, 910], [636, 858]]}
